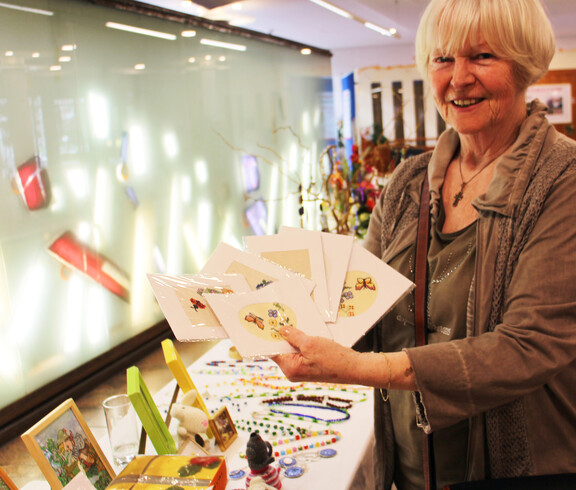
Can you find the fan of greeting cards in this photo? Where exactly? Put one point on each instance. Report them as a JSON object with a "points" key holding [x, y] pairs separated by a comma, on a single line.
{"points": [[322, 283]]}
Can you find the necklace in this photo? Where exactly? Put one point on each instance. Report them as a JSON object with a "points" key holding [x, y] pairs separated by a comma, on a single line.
{"points": [[286, 410], [460, 194], [291, 445]]}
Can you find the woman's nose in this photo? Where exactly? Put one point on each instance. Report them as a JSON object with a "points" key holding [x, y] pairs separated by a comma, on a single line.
{"points": [[462, 74]]}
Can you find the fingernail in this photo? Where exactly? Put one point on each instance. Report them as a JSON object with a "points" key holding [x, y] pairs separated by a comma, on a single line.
{"points": [[284, 331]]}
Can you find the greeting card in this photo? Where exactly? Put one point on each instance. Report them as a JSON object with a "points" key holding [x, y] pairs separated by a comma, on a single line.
{"points": [[299, 252], [181, 298], [336, 250], [252, 320], [226, 259], [371, 289]]}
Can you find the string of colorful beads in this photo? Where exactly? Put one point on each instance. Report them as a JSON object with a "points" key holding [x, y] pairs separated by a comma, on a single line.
{"points": [[270, 427], [277, 408], [285, 446], [320, 399], [335, 437]]}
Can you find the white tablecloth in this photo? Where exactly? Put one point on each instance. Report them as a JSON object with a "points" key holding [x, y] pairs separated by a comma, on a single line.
{"points": [[229, 382], [353, 459]]}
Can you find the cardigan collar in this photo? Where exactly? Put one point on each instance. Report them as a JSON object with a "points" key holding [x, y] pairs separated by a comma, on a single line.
{"points": [[512, 172]]}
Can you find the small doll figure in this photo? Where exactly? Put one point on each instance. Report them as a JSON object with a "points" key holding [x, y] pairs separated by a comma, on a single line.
{"points": [[260, 459]]}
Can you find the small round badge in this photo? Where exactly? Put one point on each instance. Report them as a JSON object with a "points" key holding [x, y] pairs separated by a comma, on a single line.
{"points": [[287, 461], [237, 474], [293, 472], [328, 453]]}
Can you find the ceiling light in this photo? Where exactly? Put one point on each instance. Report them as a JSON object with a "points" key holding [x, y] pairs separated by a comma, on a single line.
{"points": [[68, 47], [332, 8], [139, 30], [64, 59], [36, 55], [219, 44], [192, 60], [26, 9], [188, 33], [381, 30], [222, 58], [55, 68], [139, 66], [8, 53], [306, 51]]}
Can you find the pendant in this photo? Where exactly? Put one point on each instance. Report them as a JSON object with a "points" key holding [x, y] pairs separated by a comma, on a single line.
{"points": [[459, 195], [457, 198]]}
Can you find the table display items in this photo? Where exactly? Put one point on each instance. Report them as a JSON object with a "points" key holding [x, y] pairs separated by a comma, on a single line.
{"points": [[260, 459], [122, 428], [65, 449], [183, 472], [192, 422]]}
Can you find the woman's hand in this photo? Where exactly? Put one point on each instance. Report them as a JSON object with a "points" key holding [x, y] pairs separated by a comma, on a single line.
{"points": [[321, 359], [317, 359]]}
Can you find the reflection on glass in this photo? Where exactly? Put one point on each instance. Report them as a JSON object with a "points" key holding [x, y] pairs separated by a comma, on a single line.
{"points": [[139, 180]]}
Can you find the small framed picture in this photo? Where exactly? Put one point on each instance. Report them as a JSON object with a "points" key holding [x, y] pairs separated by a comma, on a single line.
{"points": [[63, 446], [5, 482], [223, 428]]}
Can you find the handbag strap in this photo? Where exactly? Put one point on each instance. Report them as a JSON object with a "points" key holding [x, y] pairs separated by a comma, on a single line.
{"points": [[421, 267], [420, 293]]}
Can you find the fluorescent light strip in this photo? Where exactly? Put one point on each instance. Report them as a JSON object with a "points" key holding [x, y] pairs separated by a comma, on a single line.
{"points": [[381, 30], [219, 44], [27, 9], [139, 30], [332, 8]]}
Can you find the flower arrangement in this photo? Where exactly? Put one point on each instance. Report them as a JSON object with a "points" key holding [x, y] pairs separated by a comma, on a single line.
{"points": [[352, 185]]}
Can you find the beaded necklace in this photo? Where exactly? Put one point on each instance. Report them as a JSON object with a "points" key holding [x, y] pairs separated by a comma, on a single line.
{"points": [[330, 401], [291, 445], [281, 393], [285, 409], [269, 426]]}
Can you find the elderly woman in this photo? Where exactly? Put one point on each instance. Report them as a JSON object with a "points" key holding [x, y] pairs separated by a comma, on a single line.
{"points": [[495, 384]]}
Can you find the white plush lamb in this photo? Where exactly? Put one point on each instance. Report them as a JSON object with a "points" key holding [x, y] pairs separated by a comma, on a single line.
{"points": [[193, 422]]}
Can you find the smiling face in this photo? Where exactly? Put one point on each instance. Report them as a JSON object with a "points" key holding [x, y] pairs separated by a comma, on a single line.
{"points": [[475, 90]]}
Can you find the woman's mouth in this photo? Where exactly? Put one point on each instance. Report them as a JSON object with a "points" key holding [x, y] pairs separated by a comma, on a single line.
{"points": [[466, 102]]}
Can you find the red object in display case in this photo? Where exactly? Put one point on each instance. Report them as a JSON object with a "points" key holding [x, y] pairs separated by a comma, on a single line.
{"points": [[34, 184], [75, 254]]}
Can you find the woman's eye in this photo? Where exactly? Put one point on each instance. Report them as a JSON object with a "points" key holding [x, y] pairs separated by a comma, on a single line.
{"points": [[442, 59], [484, 56]]}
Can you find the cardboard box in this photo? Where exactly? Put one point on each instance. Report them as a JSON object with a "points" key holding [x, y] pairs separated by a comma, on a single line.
{"points": [[163, 472]]}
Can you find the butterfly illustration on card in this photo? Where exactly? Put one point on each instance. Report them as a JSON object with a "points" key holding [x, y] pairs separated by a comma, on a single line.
{"points": [[252, 318], [197, 304], [365, 283]]}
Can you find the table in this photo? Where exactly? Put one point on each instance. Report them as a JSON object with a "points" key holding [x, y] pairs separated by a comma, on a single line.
{"points": [[242, 386]]}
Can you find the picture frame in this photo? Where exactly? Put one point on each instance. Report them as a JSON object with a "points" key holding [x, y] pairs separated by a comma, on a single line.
{"points": [[558, 99], [148, 413], [63, 447], [6, 482], [223, 428]]}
